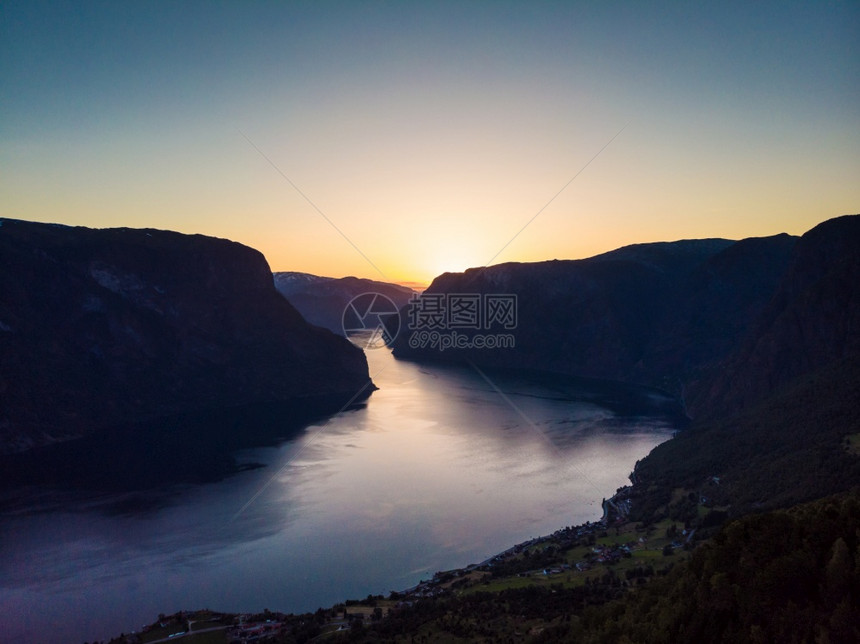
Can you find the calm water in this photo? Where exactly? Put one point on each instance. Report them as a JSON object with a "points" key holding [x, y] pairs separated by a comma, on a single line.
{"points": [[439, 470]]}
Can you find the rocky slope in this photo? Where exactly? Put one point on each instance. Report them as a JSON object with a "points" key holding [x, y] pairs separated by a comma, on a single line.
{"points": [[100, 328], [811, 321]]}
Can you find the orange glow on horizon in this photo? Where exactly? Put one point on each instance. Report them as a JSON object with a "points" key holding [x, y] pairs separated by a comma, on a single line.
{"points": [[436, 146]]}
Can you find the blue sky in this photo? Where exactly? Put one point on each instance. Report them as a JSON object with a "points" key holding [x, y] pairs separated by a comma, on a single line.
{"points": [[429, 134]]}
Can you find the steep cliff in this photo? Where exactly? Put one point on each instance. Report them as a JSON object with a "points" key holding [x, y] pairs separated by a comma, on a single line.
{"points": [[109, 327]]}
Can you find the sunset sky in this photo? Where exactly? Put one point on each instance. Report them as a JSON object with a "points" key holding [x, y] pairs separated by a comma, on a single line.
{"points": [[429, 134]]}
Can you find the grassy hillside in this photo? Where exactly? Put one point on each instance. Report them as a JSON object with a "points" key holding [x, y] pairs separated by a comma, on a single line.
{"points": [[789, 449], [786, 576]]}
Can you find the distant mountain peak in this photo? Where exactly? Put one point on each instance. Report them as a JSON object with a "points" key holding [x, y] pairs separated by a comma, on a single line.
{"points": [[322, 300]]}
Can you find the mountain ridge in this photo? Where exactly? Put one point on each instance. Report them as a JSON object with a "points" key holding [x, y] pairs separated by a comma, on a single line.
{"points": [[651, 314]]}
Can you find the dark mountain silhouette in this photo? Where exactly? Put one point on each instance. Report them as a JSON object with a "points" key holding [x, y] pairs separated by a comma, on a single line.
{"points": [[652, 314], [108, 328], [322, 300], [811, 321], [779, 412]]}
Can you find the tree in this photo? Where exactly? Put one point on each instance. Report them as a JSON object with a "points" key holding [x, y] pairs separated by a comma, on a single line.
{"points": [[839, 571]]}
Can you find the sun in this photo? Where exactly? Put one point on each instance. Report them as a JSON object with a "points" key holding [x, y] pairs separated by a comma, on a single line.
{"points": [[451, 258], [448, 246]]}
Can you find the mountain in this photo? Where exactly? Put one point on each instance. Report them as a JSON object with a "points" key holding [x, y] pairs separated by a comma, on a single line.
{"points": [[322, 300], [652, 314], [781, 408], [108, 329], [811, 321], [783, 429]]}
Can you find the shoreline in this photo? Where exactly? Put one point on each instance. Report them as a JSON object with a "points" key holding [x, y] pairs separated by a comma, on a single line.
{"points": [[342, 616]]}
